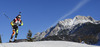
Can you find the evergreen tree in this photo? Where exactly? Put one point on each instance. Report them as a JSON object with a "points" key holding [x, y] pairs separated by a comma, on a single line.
{"points": [[29, 35], [0, 39]]}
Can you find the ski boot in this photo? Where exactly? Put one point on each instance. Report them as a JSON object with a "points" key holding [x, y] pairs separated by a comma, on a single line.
{"points": [[10, 40], [15, 39]]}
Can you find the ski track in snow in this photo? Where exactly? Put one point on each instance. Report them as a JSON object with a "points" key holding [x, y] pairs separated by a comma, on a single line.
{"points": [[46, 44]]}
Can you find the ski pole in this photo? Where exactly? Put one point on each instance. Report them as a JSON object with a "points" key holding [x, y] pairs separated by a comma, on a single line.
{"points": [[7, 16]]}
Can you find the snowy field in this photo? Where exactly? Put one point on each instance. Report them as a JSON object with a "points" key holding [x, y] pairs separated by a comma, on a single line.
{"points": [[46, 44]]}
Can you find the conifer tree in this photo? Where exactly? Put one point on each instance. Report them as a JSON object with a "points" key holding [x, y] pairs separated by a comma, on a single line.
{"points": [[29, 35], [0, 39]]}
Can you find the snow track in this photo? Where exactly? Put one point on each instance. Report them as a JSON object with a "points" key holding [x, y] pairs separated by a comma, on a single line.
{"points": [[46, 44]]}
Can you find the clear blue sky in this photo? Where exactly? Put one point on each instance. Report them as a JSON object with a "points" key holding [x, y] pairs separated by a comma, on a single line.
{"points": [[39, 15]]}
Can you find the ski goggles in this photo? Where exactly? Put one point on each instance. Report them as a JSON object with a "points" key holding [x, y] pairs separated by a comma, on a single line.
{"points": [[19, 16]]}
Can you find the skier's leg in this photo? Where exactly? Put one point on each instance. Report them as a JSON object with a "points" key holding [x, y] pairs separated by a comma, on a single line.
{"points": [[16, 33], [12, 35]]}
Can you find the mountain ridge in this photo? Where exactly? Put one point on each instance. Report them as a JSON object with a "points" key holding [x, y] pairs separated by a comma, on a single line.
{"points": [[69, 25]]}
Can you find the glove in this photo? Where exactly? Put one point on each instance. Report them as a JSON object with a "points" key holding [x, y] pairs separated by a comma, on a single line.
{"points": [[19, 24]]}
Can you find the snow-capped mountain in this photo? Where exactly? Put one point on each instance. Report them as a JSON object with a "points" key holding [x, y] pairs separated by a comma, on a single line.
{"points": [[71, 27], [76, 20]]}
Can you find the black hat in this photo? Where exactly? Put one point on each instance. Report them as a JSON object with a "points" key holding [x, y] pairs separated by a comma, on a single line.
{"points": [[19, 16]]}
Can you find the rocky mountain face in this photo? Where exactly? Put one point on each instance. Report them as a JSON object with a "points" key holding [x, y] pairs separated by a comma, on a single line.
{"points": [[87, 32], [80, 27]]}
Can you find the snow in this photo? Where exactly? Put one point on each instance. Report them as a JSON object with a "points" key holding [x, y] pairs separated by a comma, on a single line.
{"points": [[75, 21], [46, 44]]}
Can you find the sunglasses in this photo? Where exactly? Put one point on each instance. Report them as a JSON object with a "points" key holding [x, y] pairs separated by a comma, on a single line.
{"points": [[19, 16]]}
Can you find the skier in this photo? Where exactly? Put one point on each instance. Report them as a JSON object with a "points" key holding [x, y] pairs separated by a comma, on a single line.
{"points": [[15, 23]]}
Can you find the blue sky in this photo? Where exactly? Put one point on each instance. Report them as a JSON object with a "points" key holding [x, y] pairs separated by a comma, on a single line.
{"points": [[39, 15]]}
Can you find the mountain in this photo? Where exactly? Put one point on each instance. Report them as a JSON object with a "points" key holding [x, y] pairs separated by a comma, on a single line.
{"points": [[87, 32], [80, 28]]}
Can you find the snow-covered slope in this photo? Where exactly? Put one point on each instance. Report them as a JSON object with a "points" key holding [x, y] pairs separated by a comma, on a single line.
{"points": [[46, 44]]}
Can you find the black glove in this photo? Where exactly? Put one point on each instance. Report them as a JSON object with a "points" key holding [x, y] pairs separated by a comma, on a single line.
{"points": [[19, 24]]}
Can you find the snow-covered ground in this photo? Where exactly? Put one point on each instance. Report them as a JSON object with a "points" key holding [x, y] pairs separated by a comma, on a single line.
{"points": [[46, 44]]}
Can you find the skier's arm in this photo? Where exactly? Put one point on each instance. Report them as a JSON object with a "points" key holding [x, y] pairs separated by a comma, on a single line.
{"points": [[12, 22], [21, 23]]}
